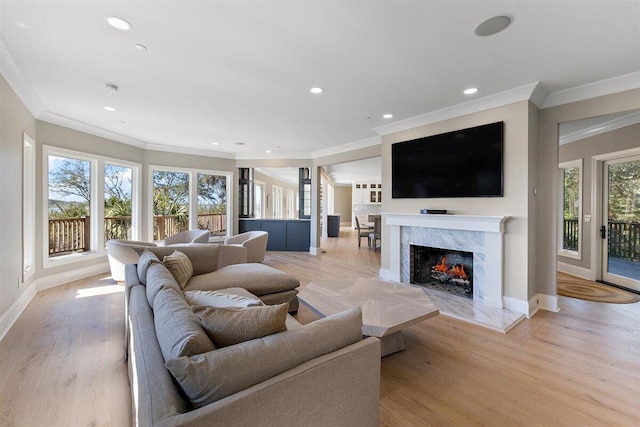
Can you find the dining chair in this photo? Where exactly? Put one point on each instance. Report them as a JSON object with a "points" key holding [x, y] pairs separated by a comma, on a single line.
{"points": [[376, 234], [362, 233]]}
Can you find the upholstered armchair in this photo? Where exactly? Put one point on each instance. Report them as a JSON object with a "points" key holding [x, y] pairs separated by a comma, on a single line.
{"points": [[120, 253], [189, 236], [254, 241]]}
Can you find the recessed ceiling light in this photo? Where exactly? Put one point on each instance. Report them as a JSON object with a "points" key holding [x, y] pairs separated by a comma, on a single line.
{"points": [[267, 151], [214, 143], [109, 108], [140, 47], [110, 87], [387, 116], [119, 23], [316, 90], [470, 91], [494, 25], [239, 143]]}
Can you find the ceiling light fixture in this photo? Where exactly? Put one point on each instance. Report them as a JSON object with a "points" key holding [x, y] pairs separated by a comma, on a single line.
{"points": [[316, 90], [268, 151], [214, 143], [387, 116], [494, 25], [119, 23], [470, 91], [109, 108], [140, 47]]}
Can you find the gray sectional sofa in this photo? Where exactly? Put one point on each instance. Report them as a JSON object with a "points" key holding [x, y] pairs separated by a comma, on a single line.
{"points": [[320, 374]]}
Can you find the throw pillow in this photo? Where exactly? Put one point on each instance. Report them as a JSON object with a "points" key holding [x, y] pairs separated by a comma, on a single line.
{"points": [[220, 299], [232, 325], [249, 363], [146, 259], [180, 267], [178, 330]]}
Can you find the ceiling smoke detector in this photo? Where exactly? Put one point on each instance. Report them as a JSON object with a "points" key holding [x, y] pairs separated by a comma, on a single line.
{"points": [[110, 87], [494, 25]]}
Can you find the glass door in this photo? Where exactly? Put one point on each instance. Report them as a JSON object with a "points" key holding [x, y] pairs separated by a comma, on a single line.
{"points": [[621, 232]]}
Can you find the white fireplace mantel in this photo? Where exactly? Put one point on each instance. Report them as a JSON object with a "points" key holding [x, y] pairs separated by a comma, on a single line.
{"points": [[487, 224], [482, 235]]}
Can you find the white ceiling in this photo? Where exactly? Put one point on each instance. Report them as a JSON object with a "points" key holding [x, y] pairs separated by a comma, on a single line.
{"points": [[360, 171], [240, 71]]}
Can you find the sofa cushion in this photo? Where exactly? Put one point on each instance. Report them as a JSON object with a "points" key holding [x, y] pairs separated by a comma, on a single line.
{"points": [[259, 279], [232, 325], [158, 277], [179, 266], [249, 363], [178, 330], [221, 299], [146, 259], [204, 257]]}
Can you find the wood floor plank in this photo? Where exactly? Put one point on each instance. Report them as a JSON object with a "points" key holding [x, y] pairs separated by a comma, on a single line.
{"points": [[580, 366]]}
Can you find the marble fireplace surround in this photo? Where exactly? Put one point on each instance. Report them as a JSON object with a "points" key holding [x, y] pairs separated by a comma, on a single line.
{"points": [[482, 235]]}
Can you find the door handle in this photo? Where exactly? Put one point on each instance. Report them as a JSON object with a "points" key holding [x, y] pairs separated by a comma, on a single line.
{"points": [[603, 232]]}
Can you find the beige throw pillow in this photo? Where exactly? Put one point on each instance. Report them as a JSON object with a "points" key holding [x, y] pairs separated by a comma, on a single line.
{"points": [[232, 325], [180, 267], [220, 299]]}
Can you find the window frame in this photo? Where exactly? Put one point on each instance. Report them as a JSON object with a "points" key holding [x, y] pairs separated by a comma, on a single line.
{"points": [[193, 195], [561, 250], [28, 208], [97, 163]]}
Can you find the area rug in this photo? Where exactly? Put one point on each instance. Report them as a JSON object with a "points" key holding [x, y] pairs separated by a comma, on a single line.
{"points": [[576, 287]]}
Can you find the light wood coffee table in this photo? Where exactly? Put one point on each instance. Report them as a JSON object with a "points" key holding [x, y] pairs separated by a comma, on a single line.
{"points": [[387, 307]]}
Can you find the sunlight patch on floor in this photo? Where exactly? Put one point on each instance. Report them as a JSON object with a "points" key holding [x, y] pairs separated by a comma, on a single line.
{"points": [[100, 290]]}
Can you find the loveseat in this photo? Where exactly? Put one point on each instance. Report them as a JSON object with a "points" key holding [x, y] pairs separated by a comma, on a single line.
{"points": [[320, 374]]}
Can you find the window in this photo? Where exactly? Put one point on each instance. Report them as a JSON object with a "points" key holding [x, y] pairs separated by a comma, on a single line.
{"points": [[88, 199], [212, 203], [259, 199], [28, 207], [277, 201], [186, 199], [118, 202], [289, 205], [170, 203], [571, 202], [69, 205]]}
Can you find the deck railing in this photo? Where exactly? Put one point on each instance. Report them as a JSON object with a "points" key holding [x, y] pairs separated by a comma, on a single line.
{"points": [[72, 235], [624, 238]]}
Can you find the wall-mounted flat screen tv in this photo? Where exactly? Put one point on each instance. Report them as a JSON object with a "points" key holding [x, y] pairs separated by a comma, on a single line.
{"points": [[463, 163]]}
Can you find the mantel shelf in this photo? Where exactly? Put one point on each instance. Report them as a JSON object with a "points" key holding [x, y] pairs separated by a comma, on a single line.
{"points": [[484, 223]]}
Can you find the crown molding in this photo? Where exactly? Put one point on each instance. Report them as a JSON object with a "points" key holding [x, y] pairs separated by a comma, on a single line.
{"points": [[188, 150], [67, 122], [522, 93], [16, 79], [593, 90], [344, 148], [617, 123]]}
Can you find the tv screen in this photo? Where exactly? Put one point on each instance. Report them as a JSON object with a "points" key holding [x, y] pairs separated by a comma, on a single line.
{"points": [[463, 163]]}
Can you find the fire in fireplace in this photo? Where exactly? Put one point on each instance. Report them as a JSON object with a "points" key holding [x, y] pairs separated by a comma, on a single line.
{"points": [[442, 269]]}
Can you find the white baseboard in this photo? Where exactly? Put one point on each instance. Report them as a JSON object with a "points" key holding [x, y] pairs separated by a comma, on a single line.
{"points": [[582, 272], [10, 316], [517, 305], [53, 280], [314, 250], [385, 274]]}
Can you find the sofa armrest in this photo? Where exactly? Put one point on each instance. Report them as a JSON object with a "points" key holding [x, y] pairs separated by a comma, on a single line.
{"points": [[231, 254], [341, 388]]}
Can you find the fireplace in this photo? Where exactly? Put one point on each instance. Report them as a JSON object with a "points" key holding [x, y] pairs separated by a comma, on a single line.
{"points": [[445, 270]]}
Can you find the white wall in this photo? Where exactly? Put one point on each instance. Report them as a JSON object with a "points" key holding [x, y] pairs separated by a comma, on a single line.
{"points": [[342, 199], [14, 120]]}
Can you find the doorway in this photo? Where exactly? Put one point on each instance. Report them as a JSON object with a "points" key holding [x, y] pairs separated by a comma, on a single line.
{"points": [[620, 228]]}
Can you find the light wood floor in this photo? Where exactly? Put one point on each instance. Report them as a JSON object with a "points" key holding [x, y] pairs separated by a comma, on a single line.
{"points": [[62, 363]]}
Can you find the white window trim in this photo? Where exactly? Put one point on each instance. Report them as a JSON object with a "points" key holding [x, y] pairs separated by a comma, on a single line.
{"points": [[276, 195], [28, 208], [561, 251], [262, 185], [193, 195], [97, 162]]}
